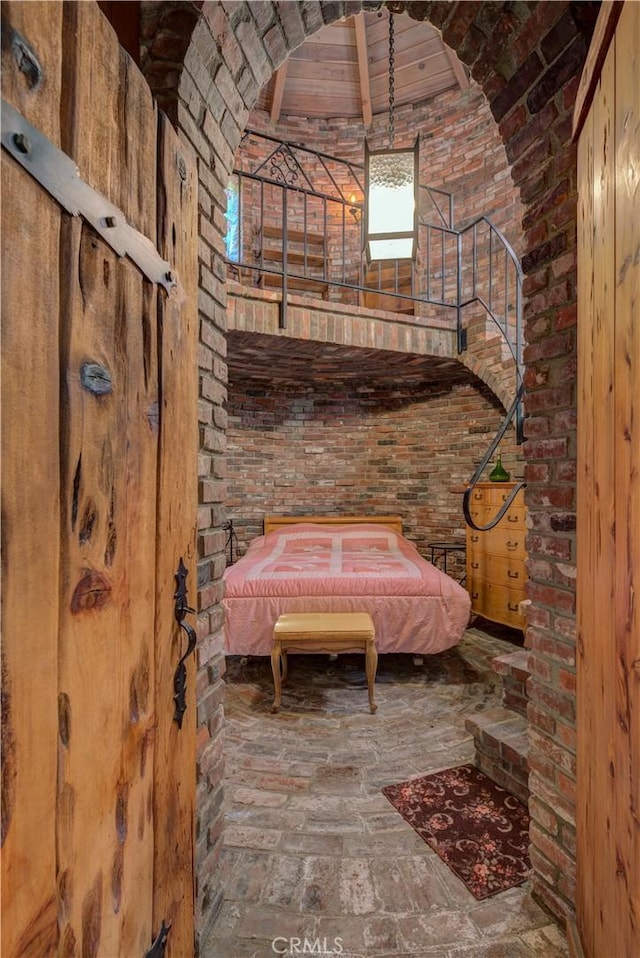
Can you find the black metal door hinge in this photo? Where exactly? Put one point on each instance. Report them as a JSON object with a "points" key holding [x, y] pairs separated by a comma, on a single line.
{"points": [[58, 174], [181, 609], [160, 943]]}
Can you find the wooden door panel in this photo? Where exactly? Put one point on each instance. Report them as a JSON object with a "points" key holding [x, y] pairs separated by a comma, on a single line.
{"points": [[608, 531], [600, 654], [626, 891], [107, 609], [109, 125], [95, 822], [30, 502], [109, 464], [174, 798]]}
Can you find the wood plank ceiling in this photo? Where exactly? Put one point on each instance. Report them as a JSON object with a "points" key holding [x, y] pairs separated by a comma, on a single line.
{"points": [[343, 70]]}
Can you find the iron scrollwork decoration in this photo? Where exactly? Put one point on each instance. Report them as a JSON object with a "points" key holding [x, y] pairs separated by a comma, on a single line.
{"points": [[285, 167], [181, 609], [159, 943]]}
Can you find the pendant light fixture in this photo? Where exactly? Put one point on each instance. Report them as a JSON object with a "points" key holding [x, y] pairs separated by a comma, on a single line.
{"points": [[391, 187]]}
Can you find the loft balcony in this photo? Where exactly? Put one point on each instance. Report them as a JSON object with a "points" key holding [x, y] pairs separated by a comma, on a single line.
{"points": [[295, 224]]}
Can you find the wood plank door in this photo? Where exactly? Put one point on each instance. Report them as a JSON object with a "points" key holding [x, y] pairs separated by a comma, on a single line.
{"points": [[99, 452], [608, 530]]}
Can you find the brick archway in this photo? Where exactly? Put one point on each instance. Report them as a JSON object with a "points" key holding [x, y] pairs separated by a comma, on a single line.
{"points": [[206, 63]]}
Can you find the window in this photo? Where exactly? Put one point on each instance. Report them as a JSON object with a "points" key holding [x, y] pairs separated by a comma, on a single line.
{"points": [[232, 216]]}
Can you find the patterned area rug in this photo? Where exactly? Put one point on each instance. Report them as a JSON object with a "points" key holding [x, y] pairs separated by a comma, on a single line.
{"points": [[476, 827]]}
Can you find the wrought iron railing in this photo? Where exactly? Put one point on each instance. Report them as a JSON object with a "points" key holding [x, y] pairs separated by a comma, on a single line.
{"points": [[314, 200], [296, 225], [512, 414]]}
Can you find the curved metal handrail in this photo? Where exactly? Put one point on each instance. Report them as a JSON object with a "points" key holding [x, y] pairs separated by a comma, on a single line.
{"points": [[476, 476], [515, 348], [468, 290], [505, 242]]}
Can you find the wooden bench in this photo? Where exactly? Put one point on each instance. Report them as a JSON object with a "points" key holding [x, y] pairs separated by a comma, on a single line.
{"points": [[329, 632]]}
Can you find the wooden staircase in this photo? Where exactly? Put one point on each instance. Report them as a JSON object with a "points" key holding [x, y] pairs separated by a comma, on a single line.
{"points": [[392, 276], [306, 260]]}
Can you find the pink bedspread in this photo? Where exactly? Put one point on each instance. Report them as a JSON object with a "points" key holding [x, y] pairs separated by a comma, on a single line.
{"points": [[344, 568]]}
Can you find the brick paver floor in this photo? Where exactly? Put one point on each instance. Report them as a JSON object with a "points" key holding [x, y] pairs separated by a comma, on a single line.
{"points": [[315, 858]]}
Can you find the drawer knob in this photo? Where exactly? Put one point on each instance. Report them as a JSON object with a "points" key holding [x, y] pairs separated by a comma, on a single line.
{"points": [[475, 565], [512, 518], [512, 546], [512, 607], [513, 575], [475, 538], [474, 595]]}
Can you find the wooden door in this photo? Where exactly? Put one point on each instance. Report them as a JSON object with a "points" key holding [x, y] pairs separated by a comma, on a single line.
{"points": [[608, 531], [99, 452]]}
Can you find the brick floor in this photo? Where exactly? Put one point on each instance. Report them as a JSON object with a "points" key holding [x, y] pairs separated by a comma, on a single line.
{"points": [[314, 851]]}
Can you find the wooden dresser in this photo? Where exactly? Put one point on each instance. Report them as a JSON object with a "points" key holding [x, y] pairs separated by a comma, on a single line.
{"points": [[496, 572]]}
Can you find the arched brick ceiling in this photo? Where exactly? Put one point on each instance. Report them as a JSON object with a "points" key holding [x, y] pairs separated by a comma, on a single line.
{"points": [[279, 359], [478, 32]]}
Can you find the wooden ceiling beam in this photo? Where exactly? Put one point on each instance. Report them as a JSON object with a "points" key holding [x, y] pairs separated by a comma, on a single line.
{"points": [[278, 90], [458, 69], [363, 68]]}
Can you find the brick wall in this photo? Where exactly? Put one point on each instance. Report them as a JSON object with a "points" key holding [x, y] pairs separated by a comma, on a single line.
{"points": [[527, 58], [257, 311], [336, 447], [461, 150]]}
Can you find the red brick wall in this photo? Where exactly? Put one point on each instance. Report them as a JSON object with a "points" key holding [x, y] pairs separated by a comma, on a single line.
{"points": [[527, 58], [343, 448], [461, 151]]}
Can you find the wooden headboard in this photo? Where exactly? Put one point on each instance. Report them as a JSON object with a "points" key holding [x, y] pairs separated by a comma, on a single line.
{"points": [[278, 522]]}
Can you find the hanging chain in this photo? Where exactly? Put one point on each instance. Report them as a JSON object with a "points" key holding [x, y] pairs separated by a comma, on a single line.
{"points": [[391, 82]]}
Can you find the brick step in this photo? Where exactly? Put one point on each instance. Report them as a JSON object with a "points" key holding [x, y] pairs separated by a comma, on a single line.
{"points": [[514, 671], [502, 749]]}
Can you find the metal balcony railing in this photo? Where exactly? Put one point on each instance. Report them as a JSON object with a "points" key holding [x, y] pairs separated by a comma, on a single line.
{"points": [[295, 224]]}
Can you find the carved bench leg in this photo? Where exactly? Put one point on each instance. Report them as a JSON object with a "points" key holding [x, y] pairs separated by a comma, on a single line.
{"points": [[371, 667], [276, 658]]}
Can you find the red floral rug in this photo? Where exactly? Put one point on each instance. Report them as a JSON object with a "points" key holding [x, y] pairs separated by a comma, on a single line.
{"points": [[476, 827]]}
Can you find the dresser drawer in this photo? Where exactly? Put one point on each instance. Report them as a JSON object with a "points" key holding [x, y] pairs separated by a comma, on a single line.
{"points": [[501, 540], [504, 570], [496, 602], [514, 518], [494, 494], [496, 573]]}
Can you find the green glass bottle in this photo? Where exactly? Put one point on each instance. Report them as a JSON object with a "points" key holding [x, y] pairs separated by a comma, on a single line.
{"points": [[499, 473]]}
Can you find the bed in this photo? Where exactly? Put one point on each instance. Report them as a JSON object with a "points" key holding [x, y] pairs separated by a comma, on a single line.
{"points": [[342, 564]]}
